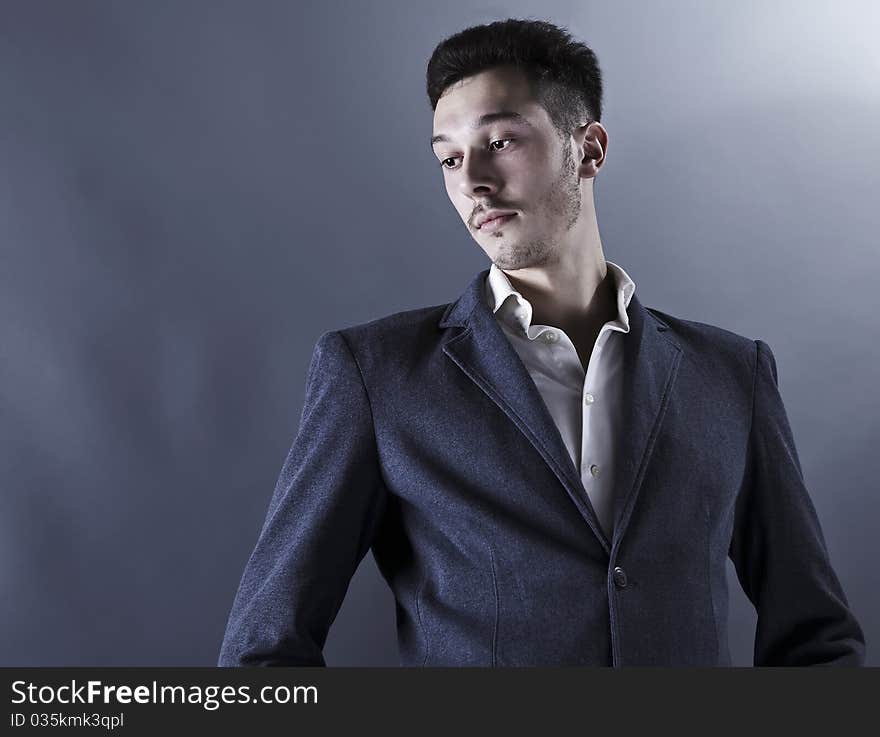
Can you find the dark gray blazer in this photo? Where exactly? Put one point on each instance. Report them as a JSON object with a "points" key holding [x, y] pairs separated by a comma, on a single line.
{"points": [[424, 438]]}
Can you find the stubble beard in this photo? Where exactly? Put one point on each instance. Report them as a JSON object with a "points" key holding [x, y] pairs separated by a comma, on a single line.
{"points": [[562, 203]]}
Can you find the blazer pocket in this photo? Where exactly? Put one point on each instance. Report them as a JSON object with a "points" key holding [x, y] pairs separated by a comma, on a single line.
{"points": [[426, 644], [458, 615], [496, 603]]}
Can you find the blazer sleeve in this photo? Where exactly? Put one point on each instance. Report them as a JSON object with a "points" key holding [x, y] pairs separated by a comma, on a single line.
{"points": [[321, 521], [778, 548]]}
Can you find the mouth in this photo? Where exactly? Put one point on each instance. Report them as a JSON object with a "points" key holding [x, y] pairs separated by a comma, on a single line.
{"points": [[496, 223]]}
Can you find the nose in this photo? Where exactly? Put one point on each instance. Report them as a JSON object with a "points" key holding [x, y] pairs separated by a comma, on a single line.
{"points": [[477, 177]]}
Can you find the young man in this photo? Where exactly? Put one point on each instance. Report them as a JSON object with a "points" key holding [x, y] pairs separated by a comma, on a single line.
{"points": [[547, 472]]}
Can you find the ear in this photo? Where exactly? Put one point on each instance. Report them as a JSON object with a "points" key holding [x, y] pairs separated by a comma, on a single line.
{"points": [[592, 144]]}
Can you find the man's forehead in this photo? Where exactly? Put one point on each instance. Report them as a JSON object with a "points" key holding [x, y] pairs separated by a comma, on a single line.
{"points": [[483, 102], [490, 91], [511, 117]]}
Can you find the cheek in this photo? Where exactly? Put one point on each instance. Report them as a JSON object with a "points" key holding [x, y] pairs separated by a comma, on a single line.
{"points": [[451, 192], [459, 202]]}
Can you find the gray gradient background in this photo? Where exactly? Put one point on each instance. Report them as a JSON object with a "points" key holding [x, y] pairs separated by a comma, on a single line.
{"points": [[191, 193]]}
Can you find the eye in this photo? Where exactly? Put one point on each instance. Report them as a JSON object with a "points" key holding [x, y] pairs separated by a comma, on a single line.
{"points": [[492, 146]]}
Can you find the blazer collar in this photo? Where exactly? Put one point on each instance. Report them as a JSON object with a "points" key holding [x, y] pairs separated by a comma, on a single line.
{"points": [[499, 289], [650, 362]]}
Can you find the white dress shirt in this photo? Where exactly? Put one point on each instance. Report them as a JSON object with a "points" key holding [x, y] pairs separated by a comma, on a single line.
{"points": [[584, 404]]}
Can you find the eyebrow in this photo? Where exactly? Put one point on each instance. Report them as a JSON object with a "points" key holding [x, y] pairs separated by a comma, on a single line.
{"points": [[487, 119]]}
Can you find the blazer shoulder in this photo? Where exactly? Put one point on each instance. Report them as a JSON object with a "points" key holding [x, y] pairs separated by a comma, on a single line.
{"points": [[398, 325], [690, 330], [709, 344], [397, 337]]}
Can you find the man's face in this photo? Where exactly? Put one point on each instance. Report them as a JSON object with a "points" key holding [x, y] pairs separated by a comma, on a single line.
{"points": [[518, 166]]}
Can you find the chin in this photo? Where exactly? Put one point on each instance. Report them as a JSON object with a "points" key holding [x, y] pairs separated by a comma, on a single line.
{"points": [[511, 257], [508, 264]]}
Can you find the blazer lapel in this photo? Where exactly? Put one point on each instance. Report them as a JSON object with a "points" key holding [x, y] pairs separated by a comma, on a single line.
{"points": [[485, 355], [650, 364]]}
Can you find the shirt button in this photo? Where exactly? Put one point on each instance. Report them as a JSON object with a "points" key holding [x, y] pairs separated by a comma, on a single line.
{"points": [[589, 398], [619, 576], [594, 469], [520, 313], [550, 336]]}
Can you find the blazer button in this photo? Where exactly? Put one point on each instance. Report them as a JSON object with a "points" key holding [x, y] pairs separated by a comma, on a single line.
{"points": [[619, 576]]}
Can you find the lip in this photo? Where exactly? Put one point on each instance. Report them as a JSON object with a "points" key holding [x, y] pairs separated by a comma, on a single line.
{"points": [[495, 222]]}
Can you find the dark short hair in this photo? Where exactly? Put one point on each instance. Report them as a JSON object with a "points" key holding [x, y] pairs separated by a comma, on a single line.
{"points": [[563, 73]]}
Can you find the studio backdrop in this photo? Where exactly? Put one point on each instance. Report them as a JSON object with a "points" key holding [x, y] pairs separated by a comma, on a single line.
{"points": [[191, 193]]}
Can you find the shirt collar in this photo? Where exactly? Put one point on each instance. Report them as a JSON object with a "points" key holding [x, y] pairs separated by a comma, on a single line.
{"points": [[512, 308]]}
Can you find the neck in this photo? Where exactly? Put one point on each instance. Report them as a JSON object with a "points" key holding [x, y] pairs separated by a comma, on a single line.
{"points": [[571, 291]]}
